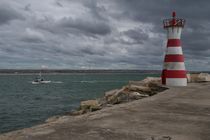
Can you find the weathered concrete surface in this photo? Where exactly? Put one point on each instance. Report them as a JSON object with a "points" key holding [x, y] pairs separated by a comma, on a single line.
{"points": [[177, 114]]}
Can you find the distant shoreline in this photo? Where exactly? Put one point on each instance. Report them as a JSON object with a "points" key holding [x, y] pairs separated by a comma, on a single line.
{"points": [[69, 71], [64, 72]]}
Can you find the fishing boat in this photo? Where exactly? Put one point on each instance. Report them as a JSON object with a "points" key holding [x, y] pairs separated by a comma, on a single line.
{"points": [[40, 80]]}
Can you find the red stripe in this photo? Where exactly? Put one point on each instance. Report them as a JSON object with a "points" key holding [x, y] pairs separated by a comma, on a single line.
{"points": [[174, 58], [175, 74], [174, 43]]}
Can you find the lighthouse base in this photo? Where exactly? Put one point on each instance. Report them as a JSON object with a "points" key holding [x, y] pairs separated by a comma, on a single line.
{"points": [[176, 81]]}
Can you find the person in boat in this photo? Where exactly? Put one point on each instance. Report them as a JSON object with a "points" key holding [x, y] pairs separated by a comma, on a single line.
{"points": [[36, 80]]}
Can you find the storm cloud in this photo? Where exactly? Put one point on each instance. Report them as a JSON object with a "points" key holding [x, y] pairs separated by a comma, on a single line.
{"points": [[109, 34], [8, 14]]}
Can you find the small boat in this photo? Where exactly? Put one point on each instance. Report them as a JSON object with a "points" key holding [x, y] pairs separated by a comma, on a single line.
{"points": [[40, 80]]}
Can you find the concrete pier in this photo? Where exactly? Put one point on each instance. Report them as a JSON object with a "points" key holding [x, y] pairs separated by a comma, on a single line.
{"points": [[180, 113]]}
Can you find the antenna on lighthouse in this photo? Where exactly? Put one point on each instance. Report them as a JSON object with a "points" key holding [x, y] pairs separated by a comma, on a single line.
{"points": [[173, 14]]}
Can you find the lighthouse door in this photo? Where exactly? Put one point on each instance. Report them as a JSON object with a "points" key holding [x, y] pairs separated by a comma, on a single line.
{"points": [[163, 77]]}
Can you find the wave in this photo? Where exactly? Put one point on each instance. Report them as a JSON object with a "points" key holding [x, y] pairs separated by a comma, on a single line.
{"points": [[57, 82], [88, 81], [95, 81]]}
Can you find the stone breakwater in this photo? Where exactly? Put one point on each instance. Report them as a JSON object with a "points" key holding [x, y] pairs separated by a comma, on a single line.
{"points": [[135, 90]]}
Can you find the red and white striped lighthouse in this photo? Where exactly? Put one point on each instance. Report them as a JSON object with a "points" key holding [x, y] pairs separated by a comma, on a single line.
{"points": [[174, 73]]}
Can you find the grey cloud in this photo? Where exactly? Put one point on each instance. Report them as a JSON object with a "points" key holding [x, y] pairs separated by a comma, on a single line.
{"points": [[47, 24], [137, 35], [32, 36], [58, 4], [7, 14], [93, 24], [32, 40], [87, 26], [145, 11], [27, 7], [65, 25], [96, 10], [90, 50]]}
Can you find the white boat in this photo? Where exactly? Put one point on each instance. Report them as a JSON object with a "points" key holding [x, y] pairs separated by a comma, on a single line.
{"points": [[40, 80]]}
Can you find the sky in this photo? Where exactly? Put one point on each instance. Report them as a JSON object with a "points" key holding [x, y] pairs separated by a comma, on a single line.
{"points": [[99, 34]]}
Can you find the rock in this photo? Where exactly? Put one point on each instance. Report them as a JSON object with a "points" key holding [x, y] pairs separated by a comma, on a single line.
{"points": [[137, 83], [202, 77], [193, 77], [110, 93], [136, 96], [79, 112], [90, 105], [113, 97], [117, 96], [148, 82], [126, 94], [139, 88], [109, 105], [155, 85], [188, 78], [149, 86], [52, 119], [152, 81]]}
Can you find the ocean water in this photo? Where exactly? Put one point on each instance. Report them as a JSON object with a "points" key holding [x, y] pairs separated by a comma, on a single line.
{"points": [[23, 104]]}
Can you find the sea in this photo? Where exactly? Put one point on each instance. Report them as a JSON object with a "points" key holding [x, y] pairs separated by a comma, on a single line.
{"points": [[23, 104]]}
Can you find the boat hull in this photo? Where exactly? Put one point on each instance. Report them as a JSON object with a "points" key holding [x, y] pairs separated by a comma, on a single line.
{"points": [[40, 82]]}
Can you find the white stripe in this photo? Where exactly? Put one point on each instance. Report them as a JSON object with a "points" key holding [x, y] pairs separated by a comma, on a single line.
{"points": [[174, 50], [174, 66], [176, 81], [174, 33]]}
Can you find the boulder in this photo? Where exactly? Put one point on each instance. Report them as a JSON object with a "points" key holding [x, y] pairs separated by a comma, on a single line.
{"points": [[149, 86], [79, 112], [137, 83], [204, 77], [148, 82], [52, 119], [127, 93], [117, 96], [90, 105], [188, 78], [139, 88], [155, 85], [152, 81], [193, 77], [110, 93], [201, 77], [136, 96]]}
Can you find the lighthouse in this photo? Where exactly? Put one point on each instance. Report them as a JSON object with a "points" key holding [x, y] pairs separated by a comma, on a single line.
{"points": [[174, 73]]}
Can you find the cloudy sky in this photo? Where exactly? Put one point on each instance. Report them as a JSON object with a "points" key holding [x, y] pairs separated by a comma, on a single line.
{"points": [[100, 34]]}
